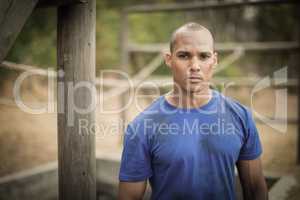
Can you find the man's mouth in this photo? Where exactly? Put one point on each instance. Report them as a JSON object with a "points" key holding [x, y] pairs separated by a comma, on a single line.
{"points": [[195, 79]]}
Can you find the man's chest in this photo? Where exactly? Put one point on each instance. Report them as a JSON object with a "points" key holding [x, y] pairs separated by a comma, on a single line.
{"points": [[196, 142]]}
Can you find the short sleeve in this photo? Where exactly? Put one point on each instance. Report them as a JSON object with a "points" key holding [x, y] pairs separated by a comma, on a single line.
{"points": [[136, 160], [251, 148]]}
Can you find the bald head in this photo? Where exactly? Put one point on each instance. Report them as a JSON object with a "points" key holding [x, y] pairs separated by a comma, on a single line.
{"points": [[191, 27]]}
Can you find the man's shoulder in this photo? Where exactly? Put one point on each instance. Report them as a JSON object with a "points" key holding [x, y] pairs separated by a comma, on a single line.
{"points": [[229, 104]]}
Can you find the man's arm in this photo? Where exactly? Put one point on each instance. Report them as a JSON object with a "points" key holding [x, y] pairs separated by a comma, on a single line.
{"points": [[131, 190], [252, 179]]}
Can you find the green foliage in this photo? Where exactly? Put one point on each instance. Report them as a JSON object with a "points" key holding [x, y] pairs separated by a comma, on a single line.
{"points": [[278, 23], [36, 43], [154, 27], [107, 38]]}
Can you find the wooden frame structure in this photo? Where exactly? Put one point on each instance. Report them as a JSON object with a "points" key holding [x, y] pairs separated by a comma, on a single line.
{"points": [[76, 59], [76, 19]]}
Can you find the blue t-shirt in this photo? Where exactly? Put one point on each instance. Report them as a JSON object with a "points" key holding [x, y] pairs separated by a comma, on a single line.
{"points": [[189, 153]]}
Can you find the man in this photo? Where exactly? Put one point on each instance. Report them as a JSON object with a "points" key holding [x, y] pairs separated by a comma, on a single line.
{"points": [[187, 142]]}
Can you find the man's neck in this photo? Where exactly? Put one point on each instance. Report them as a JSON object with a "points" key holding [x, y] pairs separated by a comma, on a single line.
{"points": [[186, 99]]}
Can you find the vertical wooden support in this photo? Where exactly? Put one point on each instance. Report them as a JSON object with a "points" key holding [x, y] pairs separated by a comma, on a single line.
{"points": [[76, 62], [124, 60], [298, 135], [297, 7]]}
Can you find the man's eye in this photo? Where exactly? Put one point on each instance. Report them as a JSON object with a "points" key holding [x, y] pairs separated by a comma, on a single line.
{"points": [[183, 56], [204, 56]]}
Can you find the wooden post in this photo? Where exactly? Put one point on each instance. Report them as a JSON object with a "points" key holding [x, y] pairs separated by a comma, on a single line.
{"points": [[124, 62], [76, 62], [298, 88]]}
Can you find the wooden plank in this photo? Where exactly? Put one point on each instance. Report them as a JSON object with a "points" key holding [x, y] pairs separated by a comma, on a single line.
{"points": [[161, 82], [172, 7], [48, 3], [221, 47], [76, 59], [13, 16], [33, 69], [144, 76]]}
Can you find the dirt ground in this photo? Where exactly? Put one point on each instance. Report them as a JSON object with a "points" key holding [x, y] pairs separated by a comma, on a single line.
{"points": [[28, 140]]}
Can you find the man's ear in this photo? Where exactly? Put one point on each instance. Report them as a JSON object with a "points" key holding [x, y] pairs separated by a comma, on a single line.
{"points": [[215, 59], [167, 58]]}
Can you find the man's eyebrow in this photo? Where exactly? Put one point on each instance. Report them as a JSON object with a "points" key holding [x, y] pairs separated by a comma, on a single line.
{"points": [[182, 51], [206, 53], [202, 52]]}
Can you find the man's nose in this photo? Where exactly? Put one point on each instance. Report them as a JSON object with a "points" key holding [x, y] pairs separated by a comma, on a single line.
{"points": [[195, 65]]}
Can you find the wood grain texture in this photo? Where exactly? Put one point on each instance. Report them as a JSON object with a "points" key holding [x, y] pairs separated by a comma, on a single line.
{"points": [[298, 76], [76, 145], [47, 3], [13, 16], [199, 5]]}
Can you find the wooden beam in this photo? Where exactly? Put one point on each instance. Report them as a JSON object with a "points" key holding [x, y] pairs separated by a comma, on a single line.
{"points": [[298, 76], [144, 76], [221, 47], [49, 3], [22, 67], [76, 62], [13, 16], [151, 83], [172, 7]]}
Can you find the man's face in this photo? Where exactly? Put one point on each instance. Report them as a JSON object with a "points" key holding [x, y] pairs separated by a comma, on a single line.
{"points": [[192, 60]]}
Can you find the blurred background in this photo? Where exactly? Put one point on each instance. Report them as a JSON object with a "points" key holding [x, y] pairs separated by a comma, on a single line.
{"points": [[252, 42]]}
